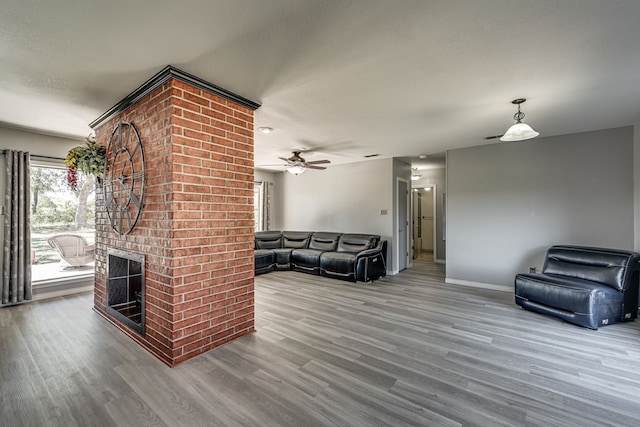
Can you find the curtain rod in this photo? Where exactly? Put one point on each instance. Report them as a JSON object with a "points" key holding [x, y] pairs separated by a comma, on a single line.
{"points": [[35, 156]]}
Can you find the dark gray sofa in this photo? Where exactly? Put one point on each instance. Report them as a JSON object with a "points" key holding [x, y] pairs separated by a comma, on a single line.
{"points": [[587, 286], [353, 257]]}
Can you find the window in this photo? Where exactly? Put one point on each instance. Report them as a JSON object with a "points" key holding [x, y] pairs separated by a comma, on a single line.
{"points": [[57, 209], [261, 205], [258, 206]]}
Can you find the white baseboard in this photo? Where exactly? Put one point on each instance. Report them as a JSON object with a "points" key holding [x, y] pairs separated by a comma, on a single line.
{"points": [[441, 261], [503, 288]]}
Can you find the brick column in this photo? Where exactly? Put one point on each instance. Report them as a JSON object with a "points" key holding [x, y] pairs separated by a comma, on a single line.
{"points": [[196, 226]]}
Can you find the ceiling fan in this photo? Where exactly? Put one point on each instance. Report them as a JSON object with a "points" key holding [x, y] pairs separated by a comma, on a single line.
{"points": [[296, 164]]}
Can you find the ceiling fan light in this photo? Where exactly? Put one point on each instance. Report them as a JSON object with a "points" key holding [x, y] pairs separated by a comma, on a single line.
{"points": [[519, 132], [296, 169]]}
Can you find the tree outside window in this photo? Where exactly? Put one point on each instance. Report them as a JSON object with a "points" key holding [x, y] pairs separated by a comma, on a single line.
{"points": [[57, 208]]}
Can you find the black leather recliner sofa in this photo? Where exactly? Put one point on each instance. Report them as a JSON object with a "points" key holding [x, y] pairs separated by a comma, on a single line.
{"points": [[587, 286], [353, 257], [273, 249]]}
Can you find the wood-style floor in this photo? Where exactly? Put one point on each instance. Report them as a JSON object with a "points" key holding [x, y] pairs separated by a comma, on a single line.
{"points": [[426, 256], [406, 350]]}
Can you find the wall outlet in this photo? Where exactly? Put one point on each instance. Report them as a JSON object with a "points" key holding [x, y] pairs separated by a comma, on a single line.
{"points": [[532, 270], [383, 212]]}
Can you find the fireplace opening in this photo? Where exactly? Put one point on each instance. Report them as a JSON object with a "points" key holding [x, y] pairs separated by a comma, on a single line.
{"points": [[125, 288]]}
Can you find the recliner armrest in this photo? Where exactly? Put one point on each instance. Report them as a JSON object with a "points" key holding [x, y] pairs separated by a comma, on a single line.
{"points": [[371, 264], [373, 251]]}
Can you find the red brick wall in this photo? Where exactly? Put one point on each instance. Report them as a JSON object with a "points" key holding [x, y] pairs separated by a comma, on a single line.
{"points": [[196, 226]]}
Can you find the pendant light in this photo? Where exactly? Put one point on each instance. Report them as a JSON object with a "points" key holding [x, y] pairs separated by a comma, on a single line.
{"points": [[519, 131]]}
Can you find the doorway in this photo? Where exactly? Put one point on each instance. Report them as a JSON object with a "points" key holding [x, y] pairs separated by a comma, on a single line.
{"points": [[424, 223], [403, 224]]}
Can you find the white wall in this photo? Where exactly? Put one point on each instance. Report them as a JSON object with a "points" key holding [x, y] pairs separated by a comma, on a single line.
{"points": [[36, 143], [436, 177], [342, 198], [508, 202], [264, 176], [636, 185]]}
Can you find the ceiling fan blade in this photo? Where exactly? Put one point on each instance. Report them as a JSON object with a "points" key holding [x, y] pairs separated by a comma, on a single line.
{"points": [[299, 161]]}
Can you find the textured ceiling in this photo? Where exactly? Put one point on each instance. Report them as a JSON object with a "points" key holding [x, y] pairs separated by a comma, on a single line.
{"points": [[341, 78]]}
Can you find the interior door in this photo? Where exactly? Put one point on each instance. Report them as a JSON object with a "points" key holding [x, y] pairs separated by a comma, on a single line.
{"points": [[427, 219], [417, 223], [403, 224]]}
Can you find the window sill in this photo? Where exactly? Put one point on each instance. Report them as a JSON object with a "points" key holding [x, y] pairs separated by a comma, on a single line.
{"points": [[50, 281]]}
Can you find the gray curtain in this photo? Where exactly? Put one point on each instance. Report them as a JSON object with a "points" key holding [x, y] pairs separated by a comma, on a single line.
{"points": [[16, 269]]}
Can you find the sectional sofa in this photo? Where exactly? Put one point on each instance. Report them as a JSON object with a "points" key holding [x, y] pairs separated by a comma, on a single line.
{"points": [[353, 257]]}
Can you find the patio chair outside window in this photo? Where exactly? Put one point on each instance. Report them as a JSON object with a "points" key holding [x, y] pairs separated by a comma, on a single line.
{"points": [[73, 249]]}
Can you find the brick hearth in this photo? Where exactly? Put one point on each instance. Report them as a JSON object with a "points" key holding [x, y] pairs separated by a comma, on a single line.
{"points": [[196, 226]]}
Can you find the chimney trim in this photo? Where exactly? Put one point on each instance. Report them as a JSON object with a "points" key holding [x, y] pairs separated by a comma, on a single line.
{"points": [[167, 73]]}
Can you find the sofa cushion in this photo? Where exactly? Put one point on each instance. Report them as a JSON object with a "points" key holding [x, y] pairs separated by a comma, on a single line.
{"points": [[283, 258], [306, 260], [338, 264], [609, 267], [323, 241], [264, 260], [583, 302], [295, 239], [356, 242], [268, 239], [563, 293]]}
